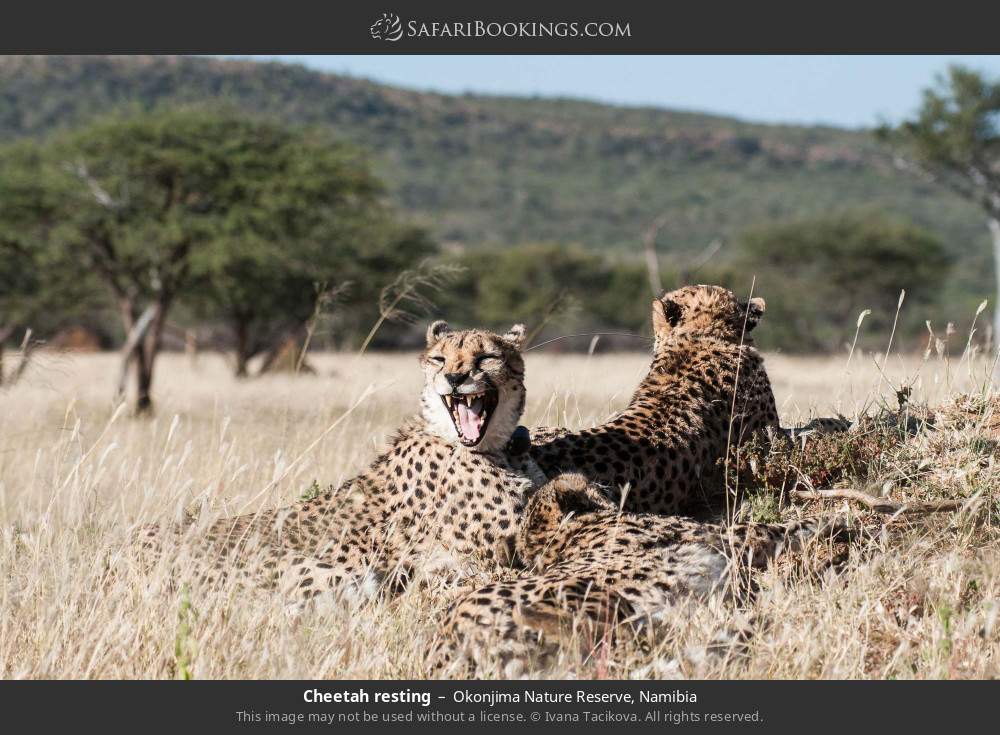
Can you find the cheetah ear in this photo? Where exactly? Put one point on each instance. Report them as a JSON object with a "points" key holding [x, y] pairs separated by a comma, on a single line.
{"points": [[755, 310], [567, 493], [436, 331], [515, 335], [666, 315]]}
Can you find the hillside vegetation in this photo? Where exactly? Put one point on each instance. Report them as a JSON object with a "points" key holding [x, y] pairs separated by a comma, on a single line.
{"points": [[502, 170], [495, 172]]}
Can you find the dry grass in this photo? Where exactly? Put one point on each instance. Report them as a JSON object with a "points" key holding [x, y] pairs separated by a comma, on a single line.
{"points": [[75, 479]]}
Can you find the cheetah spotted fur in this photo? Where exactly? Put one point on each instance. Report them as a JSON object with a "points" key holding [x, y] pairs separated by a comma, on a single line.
{"points": [[706, 390]]}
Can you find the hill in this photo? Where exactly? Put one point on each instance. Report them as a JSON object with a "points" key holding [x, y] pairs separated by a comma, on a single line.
{"points": [[485, 170]]}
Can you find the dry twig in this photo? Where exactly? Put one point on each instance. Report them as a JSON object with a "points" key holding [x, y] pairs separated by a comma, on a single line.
{"points": [[879, 505]]}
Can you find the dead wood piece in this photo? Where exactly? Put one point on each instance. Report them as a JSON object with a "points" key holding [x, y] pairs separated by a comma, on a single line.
{"points": [[879, 505]]}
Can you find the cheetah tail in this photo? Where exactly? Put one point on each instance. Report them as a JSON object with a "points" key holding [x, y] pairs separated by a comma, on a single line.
{"points": [[758, 543], [796, 535]]}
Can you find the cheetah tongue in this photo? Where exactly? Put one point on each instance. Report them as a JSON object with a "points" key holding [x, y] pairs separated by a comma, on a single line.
{"points": [[470, 419]]}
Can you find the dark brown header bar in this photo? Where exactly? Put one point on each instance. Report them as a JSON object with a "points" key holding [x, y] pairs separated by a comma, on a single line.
{"points": [[325, 26]]}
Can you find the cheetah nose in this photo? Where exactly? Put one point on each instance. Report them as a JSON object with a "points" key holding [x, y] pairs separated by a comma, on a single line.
{"points": [[455, 379]]}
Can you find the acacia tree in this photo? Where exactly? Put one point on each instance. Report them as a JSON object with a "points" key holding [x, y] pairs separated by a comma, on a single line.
{"points": [[266, 287], [161, 204], [19, 273], [311, 223], [954, 140], [140, 196]]}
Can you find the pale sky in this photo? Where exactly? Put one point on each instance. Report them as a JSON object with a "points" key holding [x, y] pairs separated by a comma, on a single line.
{"points": [[848, 91]]}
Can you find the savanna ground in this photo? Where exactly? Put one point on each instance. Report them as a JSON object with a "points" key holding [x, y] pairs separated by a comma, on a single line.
{"points": [[919, 599]]}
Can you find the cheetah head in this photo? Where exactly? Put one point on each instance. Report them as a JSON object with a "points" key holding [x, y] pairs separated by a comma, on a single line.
{"points": [[704, 311], [474, 385]]}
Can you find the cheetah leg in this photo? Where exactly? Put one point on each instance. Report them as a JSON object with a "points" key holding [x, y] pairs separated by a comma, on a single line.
{"points": [[254, 562], [517, 624], [307, 581]]}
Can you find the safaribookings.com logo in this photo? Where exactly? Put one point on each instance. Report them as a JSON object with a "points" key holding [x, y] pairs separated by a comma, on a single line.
{"points": [[387, 28], [390, 28]]}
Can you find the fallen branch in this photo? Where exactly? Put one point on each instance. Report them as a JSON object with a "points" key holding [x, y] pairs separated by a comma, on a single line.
{"points": [[879, 505]]}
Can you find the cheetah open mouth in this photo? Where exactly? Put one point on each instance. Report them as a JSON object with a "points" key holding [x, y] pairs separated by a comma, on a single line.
{"points": [[471, 414]]}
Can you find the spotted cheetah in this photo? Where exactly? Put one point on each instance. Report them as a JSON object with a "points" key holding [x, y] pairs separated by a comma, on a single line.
{"points": [[706, 390], [445, 497], [594, 568]]}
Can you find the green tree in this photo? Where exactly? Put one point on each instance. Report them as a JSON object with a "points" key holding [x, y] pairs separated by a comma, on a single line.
{"points": [[20, 282], [268, 291], [39, 291], [954, 140], [170, 203], [310, 222], [818, 275]]}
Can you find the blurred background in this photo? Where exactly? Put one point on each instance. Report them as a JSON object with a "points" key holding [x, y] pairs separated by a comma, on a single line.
{"points": [[264, 208]]}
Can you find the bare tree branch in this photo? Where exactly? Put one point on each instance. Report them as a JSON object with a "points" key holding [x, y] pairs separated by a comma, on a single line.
{"points": [[879, 505], [709, 252], [954, 177], [652, 259], [101, 196], [27, 350]]}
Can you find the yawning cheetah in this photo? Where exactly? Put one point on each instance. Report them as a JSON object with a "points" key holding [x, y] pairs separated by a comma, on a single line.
{"points": [[446, 495]]}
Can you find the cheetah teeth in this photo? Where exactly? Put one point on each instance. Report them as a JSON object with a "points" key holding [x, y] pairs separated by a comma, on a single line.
{"points": [[468, 398]]}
